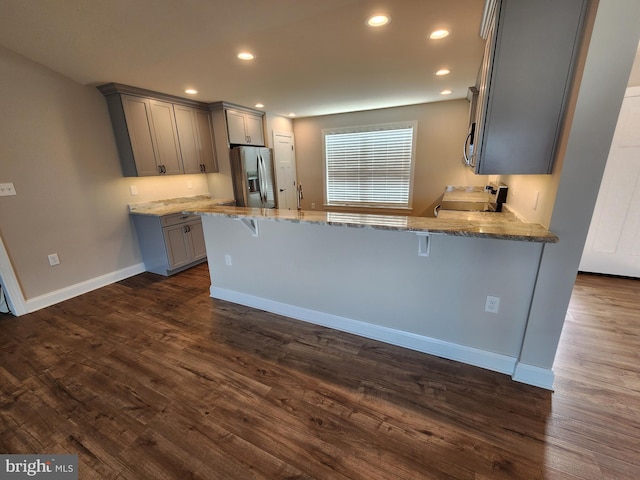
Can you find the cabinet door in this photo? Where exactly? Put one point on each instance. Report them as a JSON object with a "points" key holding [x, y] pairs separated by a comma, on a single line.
{"points": [[206, 141], [236, 127], [196, 240], [528, 80], [255, 133], [188, 138], [138, 119], [165, 137], [178, 249], [481, 107]]}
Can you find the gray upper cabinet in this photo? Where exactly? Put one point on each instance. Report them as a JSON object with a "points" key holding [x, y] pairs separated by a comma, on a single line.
{"points": [[159, 134], [138, 152], [206, 140], [244, 127], [524, 83], [195, 135], [165, 136]]}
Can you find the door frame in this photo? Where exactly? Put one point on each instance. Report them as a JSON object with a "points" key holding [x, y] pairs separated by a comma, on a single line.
{"points": [[11, 287]]}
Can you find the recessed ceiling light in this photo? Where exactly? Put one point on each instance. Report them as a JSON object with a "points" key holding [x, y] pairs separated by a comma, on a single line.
{"points": [[443, 71], [246, 56], [259, 105], [446, 92], [378, 20], [190, 91], [439, 34], [292, 114]]}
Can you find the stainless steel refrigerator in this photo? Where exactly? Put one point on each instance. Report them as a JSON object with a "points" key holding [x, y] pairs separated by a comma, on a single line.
{"points": [[253, 178]]}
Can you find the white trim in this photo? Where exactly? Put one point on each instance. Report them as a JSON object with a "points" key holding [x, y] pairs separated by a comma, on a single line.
{"points": [[420, 343], [57, 296], [487, 16], [14, 296], [632, 92], [532, 375]]}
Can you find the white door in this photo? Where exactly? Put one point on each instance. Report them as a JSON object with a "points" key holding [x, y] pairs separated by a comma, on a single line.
{"points": [[285, 167], [613, 242]]}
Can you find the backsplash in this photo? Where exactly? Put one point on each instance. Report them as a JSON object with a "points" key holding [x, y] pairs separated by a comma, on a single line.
{"points": [[158, 188]]}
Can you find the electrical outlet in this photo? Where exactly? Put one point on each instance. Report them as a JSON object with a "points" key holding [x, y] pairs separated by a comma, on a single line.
{"points": [[7, 190], [53, 259], [492, 304], [189, 184], [313, 206], [227, 260]]}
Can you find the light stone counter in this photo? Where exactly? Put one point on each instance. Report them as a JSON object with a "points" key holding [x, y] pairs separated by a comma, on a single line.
{"points": [[503, 226], [170, 206]]}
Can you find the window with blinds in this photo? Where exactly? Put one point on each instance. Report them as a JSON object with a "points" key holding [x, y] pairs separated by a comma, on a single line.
{"points": [[370, 166]]}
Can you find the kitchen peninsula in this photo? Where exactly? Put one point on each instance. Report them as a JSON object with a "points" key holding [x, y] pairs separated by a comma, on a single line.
{"points": [[417, 282]]}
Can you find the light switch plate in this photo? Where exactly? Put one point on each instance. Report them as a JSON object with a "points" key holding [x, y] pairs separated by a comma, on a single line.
{"points": [[7, 190]]}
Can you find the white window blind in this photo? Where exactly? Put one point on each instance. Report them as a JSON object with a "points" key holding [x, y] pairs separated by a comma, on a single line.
{"points": [[370, 166]]}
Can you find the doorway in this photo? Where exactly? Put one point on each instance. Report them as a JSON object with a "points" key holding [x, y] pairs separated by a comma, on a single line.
{"points": [[285, 167], [613, 243]]}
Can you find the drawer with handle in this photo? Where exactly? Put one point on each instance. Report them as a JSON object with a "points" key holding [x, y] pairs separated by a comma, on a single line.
{"points": [[176, 219]]}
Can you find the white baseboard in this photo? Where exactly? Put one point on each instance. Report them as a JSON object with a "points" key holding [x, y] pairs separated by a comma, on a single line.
{"points": [[472, 356], [532, 375], [51, 298]]}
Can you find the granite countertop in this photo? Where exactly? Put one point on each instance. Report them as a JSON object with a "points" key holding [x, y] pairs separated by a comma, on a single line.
{"points": [[503, 226], [171, 206]]}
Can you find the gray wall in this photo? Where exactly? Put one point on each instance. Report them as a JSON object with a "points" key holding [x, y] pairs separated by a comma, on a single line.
{"points": [[586, 147], [438, 158], [58, 149], [377, 277]]}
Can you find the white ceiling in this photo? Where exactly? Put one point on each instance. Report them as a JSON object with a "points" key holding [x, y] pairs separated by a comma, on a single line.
{"points": [[314, 57]]}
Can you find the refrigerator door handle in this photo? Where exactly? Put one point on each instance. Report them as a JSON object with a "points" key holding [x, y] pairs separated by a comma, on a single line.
{"points": [[261, 179], [259, 176]]}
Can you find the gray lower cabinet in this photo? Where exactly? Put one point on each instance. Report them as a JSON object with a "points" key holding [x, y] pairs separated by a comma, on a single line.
{"points": [[170, 243], [523, 83]]}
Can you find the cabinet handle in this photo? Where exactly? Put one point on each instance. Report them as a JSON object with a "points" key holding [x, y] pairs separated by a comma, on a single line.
{"points": [[187, 229], [203, 168], [248, 138]]}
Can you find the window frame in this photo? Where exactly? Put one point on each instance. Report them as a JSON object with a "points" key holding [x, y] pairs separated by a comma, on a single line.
{"points": [[413, 124]]}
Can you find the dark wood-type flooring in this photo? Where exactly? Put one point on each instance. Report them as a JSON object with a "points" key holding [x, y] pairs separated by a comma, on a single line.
{"points": [[149, 378]]}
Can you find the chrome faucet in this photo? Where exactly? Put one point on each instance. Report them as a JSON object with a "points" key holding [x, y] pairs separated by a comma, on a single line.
{"points": [[299, 196]]}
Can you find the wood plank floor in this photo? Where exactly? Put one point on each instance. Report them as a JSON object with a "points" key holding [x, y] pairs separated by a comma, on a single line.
{"points": [[150, 378]]}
